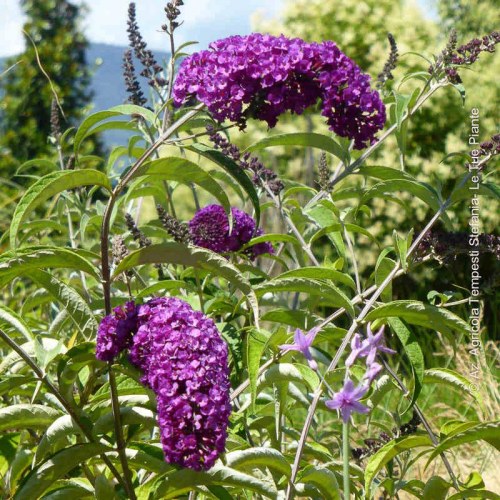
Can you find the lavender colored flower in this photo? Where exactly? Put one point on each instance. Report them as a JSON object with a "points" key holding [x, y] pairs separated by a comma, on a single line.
{"points": [[262, 76], [184, 360], [302, 342], [368, 348], [347, 400], [373, 344], [115, 332], [209, 228], [372, 371]]}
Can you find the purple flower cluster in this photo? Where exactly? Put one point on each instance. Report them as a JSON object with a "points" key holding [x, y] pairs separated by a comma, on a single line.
{"points": [[184, 361], [115, 332], [347, 399], [262, 76], [209, 228]]}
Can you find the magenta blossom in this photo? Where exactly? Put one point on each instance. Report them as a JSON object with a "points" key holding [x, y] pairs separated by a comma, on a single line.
{"points": [[185, 361], [347, 400], [302, 343], [263, 76], [115, 332], [209, 228]]}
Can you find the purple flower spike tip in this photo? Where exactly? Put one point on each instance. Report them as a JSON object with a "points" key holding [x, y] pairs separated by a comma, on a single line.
{"points": [[347, 400]]}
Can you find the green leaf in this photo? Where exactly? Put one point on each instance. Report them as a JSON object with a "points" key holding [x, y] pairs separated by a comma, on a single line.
{"points": [[256, 343], [199, 258], [132, 109], [383, 268], [258, 457], [104, 489], [30, 258], [43, 476], [59, 429], [453, 379], [11, 320], [324, 273], [401, 245], [418, 313], [88, 124], [487, 431], [475, 494], [326, 291], [48, 187], [323, 480], [27, 416], [353, 228], [186, 172], [13, 357], [71, 300], [74, 360], [288, 372], [436, 488], [413, 352], [389, 451], [307, 139], [233, 170], [418, 189], [129, 416], [176, 483]]}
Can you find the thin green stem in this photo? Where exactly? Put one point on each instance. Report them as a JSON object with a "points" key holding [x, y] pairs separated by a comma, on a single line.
{"points": [[345, 459], [120, 441]]}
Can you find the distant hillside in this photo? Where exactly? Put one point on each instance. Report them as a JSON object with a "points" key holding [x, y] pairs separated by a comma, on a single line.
{"points": [[107, 84]]}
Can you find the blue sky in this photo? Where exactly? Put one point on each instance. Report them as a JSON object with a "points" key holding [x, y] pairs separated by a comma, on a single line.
{"points": [[206, 20]]}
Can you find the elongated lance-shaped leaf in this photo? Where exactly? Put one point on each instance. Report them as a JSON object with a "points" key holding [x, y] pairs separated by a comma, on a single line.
{"points": [[186, 172], [413, 352], [418, 313], [307, 139], [43, 476], [388, 452], [71, 300], [27, 416], [175, 483], [325, 290], [27, 259], [487, 431], [199, 258], [258, 457], [11, 320], [50, 186]]}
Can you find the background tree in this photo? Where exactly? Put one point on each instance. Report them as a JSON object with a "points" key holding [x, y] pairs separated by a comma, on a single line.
{"points": [[25, 110]]}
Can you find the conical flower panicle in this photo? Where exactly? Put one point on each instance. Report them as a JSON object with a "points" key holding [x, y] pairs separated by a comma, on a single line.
{"points": [[184, 360]]}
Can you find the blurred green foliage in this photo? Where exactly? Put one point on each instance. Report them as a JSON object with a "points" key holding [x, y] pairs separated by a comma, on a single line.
{"points": [[53, 26]]}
